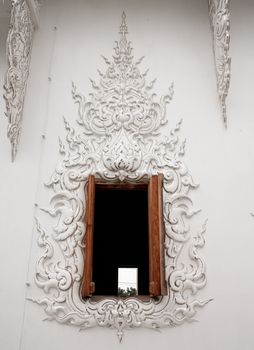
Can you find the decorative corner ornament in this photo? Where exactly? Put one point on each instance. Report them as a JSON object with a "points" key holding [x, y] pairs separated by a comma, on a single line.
{"points": [[116, 137], [19, 45], [220, 25]]}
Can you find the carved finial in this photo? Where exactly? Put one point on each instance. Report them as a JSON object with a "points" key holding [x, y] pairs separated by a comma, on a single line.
{"points": [[123, 27], [123, 46]]}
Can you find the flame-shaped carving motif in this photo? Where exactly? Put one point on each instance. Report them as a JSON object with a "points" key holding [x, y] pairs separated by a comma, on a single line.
{"points": [[19, 45], [220, 25]]}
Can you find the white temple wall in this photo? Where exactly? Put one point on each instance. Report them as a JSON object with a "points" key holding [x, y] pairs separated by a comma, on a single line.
{"points": [[175, 38]]}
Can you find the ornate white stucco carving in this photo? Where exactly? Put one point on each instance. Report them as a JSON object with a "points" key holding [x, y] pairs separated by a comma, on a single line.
{"points": [[220, 25], [19, 45], [34, 6], [117, 138]]}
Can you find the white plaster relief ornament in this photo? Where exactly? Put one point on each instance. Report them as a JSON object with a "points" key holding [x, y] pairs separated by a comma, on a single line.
{"points": [[220, 25], [117, 139], [19, 46]]}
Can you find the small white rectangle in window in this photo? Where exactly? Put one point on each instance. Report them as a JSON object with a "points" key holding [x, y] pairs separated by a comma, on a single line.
{"points": [[127, 281]]}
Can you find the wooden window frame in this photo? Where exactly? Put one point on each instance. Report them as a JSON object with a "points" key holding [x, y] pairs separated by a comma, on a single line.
{"points": [[156, 229], [156, 233], [88, 286]]}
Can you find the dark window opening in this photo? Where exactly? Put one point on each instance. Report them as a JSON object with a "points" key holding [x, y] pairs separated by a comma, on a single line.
{"points": [[120, 237]]}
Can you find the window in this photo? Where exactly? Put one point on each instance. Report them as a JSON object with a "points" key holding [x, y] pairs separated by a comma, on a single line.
{"points": [[124, 230]]}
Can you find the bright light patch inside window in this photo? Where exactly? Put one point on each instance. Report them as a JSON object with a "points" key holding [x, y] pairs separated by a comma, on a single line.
{"points": [[127, 281]]}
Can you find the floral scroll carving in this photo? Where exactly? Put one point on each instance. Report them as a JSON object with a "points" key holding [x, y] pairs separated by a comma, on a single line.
{"points": [[220, 25], [117, 138], [19, 45]]}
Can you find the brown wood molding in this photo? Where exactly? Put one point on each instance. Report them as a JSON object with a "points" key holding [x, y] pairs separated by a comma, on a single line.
{"points": [[88, 286], [157, 285]]}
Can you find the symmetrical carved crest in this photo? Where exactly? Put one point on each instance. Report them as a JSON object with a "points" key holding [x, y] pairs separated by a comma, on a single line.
{"points": [[220, 25], [117, 139], [19, 44]]}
